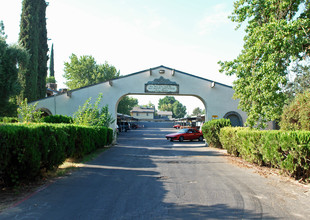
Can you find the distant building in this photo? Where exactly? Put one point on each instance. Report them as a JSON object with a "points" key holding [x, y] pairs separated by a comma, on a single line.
{"points": [[51, 89], [143, 112], [165, 115]]}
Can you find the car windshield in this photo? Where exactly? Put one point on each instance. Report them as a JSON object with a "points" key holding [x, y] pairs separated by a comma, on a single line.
{"points": [[183, 130]]}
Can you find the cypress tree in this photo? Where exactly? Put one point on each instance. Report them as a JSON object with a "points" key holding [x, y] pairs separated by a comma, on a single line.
{"points": [[29, 39], [42, 49], [52, 71], [33, 37]]}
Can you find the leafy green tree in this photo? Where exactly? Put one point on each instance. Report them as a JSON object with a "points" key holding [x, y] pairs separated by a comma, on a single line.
{"points": [[169, 103], [126, 104], [11, 56], [178, 110], [277, 33], [84, 71], [33, 37], [2, 32], [150, 104], [197, 111], [301, 82], [163, 104]]}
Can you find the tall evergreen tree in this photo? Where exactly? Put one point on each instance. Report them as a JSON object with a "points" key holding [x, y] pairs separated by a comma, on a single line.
{"points": [[52, 71], [42, 49], [33, 37]]}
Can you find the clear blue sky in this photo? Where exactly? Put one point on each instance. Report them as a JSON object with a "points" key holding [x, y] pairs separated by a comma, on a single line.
{"points": [[133, 35]]}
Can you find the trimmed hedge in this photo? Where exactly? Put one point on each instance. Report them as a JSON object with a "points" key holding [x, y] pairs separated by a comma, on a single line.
{"points": [[287, 150], [110, 136], [8, 119], [211, 131], [57, 119], [26, 149]]}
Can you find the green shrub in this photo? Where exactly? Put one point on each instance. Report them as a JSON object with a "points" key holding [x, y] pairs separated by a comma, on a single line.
{"points": [[296, 116], [28, 113], [57, 119], [249, 145], [8, 119], [229, 139], [91, 115], [110, 135], [27, 149], [287, 150], [211, 131]]}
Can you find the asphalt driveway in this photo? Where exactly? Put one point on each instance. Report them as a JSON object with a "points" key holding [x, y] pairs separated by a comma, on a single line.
{"points": [[147, 177]]}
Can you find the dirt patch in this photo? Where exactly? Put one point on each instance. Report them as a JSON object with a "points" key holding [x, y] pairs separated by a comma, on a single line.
{"points": [[266, 172]]}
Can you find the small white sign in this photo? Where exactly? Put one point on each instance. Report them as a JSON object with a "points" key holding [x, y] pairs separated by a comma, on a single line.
{"points": [[161, 88]]}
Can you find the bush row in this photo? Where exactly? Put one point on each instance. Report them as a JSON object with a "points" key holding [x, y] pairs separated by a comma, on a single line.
{"points": [[211, 131], [287, 150], [26, 149], [57, 119], [8, 119]]}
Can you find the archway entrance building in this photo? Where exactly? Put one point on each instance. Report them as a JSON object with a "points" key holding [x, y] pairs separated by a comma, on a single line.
{"points": [[216, 97]]}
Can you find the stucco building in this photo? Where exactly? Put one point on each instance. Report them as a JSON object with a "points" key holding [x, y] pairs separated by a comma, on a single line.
{"points": [[164, 115], [143, 112]]}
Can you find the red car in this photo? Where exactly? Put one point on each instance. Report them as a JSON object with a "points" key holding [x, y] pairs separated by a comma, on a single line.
{"points": [[186, 134], [177, 126]]}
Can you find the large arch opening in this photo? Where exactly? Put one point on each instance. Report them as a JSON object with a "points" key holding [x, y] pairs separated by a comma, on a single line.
{"points": [[147, 110]]}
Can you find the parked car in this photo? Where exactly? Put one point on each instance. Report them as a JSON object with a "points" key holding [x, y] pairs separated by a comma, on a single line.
{"points": [[134, 126], [177, 126], [185, 134]]}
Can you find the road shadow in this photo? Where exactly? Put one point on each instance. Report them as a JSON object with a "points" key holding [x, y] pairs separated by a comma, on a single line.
{"points": [[124, 183]]}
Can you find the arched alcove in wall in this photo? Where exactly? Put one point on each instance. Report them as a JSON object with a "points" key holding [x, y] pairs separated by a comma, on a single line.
{"points": [[45, 112], [235, 118]]}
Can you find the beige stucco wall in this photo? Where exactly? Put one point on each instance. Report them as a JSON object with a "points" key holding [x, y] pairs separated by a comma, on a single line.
{"points": [[217, 100]]}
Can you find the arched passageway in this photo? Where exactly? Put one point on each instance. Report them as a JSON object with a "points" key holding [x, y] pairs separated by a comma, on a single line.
{"points": [[216, 97]]}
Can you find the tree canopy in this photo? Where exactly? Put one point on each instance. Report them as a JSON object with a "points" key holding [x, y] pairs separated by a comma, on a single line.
{"points": [[11, 56], [197, 111], [126, 104], [277, 34], [169, 103], [84, 71], [301, 81]]}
